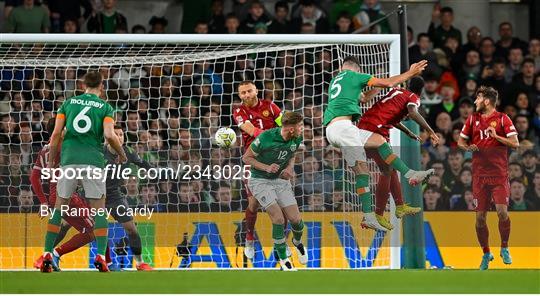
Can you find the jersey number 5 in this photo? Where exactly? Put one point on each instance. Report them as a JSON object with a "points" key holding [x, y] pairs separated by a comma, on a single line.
{"points": [[335, 89], [82, 117]]}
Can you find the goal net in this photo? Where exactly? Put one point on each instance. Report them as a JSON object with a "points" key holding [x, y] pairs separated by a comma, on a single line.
{"points": [[171, 94]]}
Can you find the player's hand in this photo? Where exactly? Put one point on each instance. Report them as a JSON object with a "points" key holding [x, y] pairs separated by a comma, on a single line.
{"points": [[287, 174], [434, 139], [418, 68], [473, 148], [273, 168], [491, 132], [415, 137]]}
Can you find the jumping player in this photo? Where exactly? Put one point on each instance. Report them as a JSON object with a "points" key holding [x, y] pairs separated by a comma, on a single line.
{"points": [[396, 105], [253, 117], [488, 134], [343, 108], [87, 119]]}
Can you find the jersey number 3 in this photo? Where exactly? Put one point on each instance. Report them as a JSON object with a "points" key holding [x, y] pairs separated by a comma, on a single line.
{"points": [[82, 117]]}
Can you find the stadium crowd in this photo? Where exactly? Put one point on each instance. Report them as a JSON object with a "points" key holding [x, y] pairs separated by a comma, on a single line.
{"points": [[171, 111]]}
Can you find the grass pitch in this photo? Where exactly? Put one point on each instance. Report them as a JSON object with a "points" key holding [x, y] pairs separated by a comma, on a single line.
{"points": [[261, 281]]}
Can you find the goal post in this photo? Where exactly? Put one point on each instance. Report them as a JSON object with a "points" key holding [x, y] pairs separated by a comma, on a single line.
{"points": [[171, 93]]}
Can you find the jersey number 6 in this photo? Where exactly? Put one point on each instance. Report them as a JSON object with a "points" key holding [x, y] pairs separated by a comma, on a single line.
{"points": [[82, 117]]}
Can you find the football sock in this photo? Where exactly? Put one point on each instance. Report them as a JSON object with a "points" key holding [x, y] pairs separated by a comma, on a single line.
{"points": [[504, 230], [53, 228], [362, 189], [100, 231], [382, 194], [135, 245], [297, 229], [279, 241], [395, 188], [75, 242], [251, 219], [483, 237], [392, 159]]}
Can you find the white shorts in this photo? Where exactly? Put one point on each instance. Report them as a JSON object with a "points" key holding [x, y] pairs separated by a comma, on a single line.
{"points": [[270, 191], [94, 187], [350, 139]]}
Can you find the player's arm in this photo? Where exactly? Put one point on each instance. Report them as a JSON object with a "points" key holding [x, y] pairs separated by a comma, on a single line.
{"points": [[249, 159], [136, 160], [465, 135], [407, 131], [56, 137], [245, 125], [418, 118], [414, 70], [369, 95], [112, 139], [511, 141]]}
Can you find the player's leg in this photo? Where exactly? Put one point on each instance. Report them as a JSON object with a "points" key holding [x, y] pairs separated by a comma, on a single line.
{"points": [[402, 209], [501, 191], [378, 142], [287, 202], [136, 245], [382, 191], [94, 189], [364, 194], [482, 202], [251, 220]]}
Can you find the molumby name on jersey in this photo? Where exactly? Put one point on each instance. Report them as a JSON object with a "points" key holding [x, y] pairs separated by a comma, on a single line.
{"points": [[86, 103]]}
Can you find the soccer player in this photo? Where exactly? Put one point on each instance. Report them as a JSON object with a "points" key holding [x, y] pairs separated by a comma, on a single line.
{"points": [[343, 108], [488, 134], [271, 157], [253, 117], [87, 119], [396, 105], [117, 203], [84, 224]]}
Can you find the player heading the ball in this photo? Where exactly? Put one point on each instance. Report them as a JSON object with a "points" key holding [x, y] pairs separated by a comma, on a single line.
{"points": [[87, 119], [271, 157], [344, 108]]}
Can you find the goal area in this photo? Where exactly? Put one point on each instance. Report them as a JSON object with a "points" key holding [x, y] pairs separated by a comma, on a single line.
{"points": [[171, 93]]}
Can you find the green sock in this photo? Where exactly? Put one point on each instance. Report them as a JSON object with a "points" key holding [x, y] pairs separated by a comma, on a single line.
{"points": [[297, 229], [100, 231], [362, 189], [390, 158], [278, 234], [52, 230]]}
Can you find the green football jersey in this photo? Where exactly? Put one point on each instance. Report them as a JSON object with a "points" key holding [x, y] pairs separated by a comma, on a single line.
{"points": [[344, 95], [83, 140], [269, 148]]}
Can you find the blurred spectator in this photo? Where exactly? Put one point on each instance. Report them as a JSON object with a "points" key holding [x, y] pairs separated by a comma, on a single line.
{"points": [[422, 51], [315, 203], [523, 81], [195, 12], [432, 200], [530, 166], [430, 96], [533, 193], [517, 197], [28, 18], [507, 41], [339, 6], [138, 29], [108, 20], [446, 105], [241, 9], [63, 10], [158, 25], [370, 11], [534, 52], [474, 39], [217, 20], [280, 23], [255, 18], [513, 67], [310, 15], [25, 200], [494, 76], [463, 202], [410, 39], [439, 34], [487, 52], [521, 122], [201, 27], [455, 161], [232, 24], [522, 104], [70, 26], [343, 24], [472, 64], [466, 108]]}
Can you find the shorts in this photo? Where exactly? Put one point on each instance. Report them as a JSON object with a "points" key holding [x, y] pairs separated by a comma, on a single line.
{"points": [[271, 191], [84, 223], [118, 208], [350, 139], [488, 190], [383, 131], [94, 187]]}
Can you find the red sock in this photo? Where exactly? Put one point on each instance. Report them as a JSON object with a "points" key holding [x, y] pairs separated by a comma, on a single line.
{"points": [[78, 240], [483, 237], [108, 254], [395, 188], [382, 194], [251, 219], [504, 230]]}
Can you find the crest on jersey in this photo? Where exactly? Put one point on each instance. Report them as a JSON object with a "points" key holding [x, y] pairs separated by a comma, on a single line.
{"points": [[293, 147], [266, 113], [493, 124], [477, 123]]}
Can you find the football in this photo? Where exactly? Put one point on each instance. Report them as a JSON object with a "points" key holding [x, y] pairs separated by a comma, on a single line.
{"points": [[225, 137]]}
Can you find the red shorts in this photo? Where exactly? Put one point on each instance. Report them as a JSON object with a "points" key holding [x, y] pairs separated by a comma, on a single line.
{"points": [[488, 190], [383, 131], [83, 223]]}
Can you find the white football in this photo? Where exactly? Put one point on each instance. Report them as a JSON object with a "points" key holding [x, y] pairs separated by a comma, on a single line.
{"points": [[225, 137]]}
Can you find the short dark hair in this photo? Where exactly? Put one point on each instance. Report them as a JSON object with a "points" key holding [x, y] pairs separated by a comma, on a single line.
{"points": [[291, 118], [488, 92], [447, 9], [117, 126], [409, 29], [455, 151], [352, 61], [528, 61], [246, 82], [487, 39], [416, 84], [422, 35], [504, 24], [517, 180], [231, 15], [281, 4], [50, 125], [93, 79], [432, 188]]}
